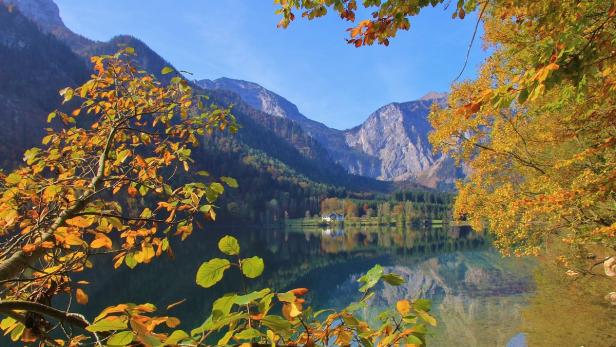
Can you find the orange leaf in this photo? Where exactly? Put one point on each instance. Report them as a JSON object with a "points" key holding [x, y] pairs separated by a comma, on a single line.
{"points": [[132, 191], [82, 297], [28, 248], [101, 241], [299, 291], [80, 222], [172, 322]]}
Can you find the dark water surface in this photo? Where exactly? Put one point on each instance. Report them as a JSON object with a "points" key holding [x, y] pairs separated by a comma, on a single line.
{"points": [[480, 298]]}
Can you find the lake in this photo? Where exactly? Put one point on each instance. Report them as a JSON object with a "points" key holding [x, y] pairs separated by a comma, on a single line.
{"points": [[479, 297]]}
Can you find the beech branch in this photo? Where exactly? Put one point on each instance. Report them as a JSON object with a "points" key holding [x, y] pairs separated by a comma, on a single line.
{"points": [[8, 308], [21, 260]]}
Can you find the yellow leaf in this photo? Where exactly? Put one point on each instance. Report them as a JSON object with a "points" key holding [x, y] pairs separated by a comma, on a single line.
{"points": [[81, 222], [291, 310], [404, 307]]}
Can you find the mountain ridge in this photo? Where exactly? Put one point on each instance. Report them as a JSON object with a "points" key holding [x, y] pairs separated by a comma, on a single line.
{"points": [[391, 144]]}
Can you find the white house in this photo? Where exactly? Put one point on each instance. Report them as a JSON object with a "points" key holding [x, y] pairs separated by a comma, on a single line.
{"points": [[332, 217]]}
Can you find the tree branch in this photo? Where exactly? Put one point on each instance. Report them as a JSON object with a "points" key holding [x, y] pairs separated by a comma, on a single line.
{"points": [[470, 45], [8, 308], [20, 260]]}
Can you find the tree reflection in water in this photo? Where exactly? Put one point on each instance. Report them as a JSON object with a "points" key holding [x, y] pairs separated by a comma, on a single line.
{"points": [[481, 299]]}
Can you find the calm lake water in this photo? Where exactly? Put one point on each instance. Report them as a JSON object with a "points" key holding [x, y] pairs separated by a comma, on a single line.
{"points": [[480, 298]]}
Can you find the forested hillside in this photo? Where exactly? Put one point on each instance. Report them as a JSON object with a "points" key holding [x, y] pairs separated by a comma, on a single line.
{"points": [[281, 169], [33, 67]]}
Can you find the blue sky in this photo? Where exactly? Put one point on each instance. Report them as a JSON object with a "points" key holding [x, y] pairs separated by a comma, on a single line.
{"points": [[310, 63]]}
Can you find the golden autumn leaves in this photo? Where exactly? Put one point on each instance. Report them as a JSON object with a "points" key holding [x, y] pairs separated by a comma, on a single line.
{"points": [[103, 183], [108, 188]]}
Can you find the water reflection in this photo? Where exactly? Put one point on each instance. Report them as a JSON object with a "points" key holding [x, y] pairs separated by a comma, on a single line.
{"points": [[479, 296]]}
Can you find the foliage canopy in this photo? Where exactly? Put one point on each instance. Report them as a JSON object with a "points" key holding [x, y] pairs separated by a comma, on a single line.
{"points": [[536, 127]]}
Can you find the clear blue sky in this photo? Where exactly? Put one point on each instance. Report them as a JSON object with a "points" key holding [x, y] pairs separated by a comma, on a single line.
{"points": [[310, 63]]}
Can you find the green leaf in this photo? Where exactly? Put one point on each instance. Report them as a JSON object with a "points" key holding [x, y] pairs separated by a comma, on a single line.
{"points": [[286, 297], [230, 181], [107, 324], [356, 306], [224, 304], [130, 261], [129, 50], [51, 116], [422, 304], [252, 267], [176, 337], [166, 70], [250, 297], [217, 187], [265, 303], [224, 341], [13, 178], [350, 321], [121, 157], [426, 317], [523, 96], [30, 155], [371, 278], [6, 323], [17, 332], [211, 272], [67, 93], [229, 245], [122, 338], [393, 279], [276, 323], [248, 334], [414, 340]]}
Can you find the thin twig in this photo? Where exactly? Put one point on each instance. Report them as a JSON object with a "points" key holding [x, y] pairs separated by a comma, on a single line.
{"points": [[470, 45]]}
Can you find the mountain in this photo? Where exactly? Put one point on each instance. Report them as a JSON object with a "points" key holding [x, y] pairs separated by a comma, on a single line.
{"points": [[46, 14], [391, 145], [354, 161], [282, 170], [397, 134], [33, 67]]}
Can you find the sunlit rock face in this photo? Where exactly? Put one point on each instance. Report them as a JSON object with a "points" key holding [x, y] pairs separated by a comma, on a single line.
{"points": [[470, 291], [396, 134], [333, 140], [391, 145]]}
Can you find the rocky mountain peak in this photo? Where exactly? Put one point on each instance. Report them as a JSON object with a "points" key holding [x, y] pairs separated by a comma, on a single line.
{"points": [[46, 15], [43, 12], [392, 144], [256, 96], [397, 134]]}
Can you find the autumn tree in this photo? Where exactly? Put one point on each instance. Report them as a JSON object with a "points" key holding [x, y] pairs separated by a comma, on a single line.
{"points": [[350, 208], [127, 137], [536, 127]]}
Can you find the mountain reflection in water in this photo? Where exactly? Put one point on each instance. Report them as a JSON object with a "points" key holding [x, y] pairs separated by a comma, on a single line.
{"points": [[479, 297]]}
